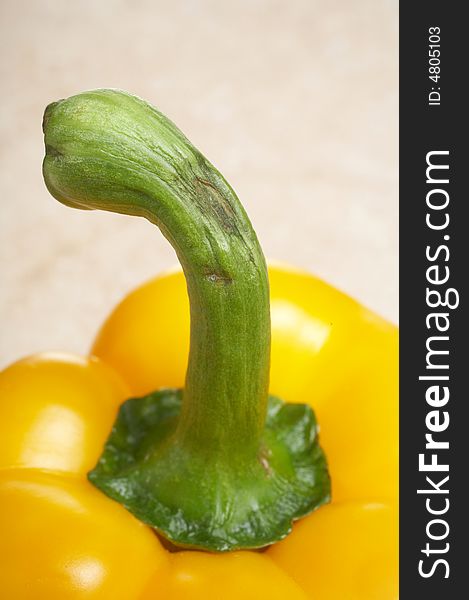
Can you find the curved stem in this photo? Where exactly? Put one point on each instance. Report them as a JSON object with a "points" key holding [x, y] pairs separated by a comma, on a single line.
{"points": [[109, 150], [227, 467]]}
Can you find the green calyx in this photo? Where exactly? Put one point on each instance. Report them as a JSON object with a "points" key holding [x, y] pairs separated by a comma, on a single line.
{"points": [[197, 501], [218, 465]]}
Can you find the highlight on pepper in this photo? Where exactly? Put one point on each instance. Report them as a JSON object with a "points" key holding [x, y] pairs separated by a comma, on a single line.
{"points": [[222, 407]]}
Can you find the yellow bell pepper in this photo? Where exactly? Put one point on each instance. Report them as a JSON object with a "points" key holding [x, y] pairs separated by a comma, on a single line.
{"points": [[61, 537]]}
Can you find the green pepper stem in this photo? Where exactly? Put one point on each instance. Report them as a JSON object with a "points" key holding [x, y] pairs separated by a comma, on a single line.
{"points": [[109, 150], [220, 466]]}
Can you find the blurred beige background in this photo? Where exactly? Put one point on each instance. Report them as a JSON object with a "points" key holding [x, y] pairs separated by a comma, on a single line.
{"points": [[295, 102]]}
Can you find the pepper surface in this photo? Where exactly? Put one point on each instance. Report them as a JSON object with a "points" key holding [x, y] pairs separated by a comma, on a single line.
{"points": [[56, 413]]}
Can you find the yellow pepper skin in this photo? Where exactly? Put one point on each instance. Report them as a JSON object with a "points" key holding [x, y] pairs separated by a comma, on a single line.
{"points": [[238, 575], [62, 538], [345, 550]]}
